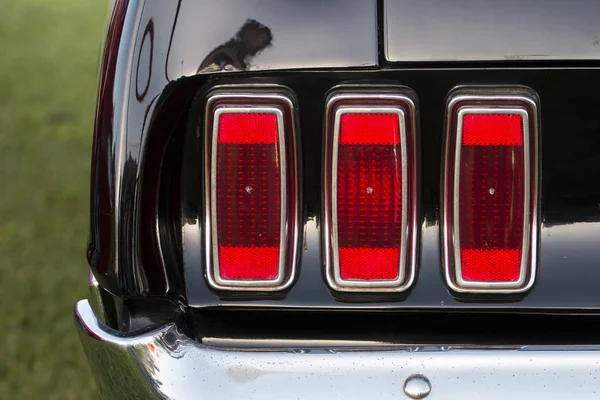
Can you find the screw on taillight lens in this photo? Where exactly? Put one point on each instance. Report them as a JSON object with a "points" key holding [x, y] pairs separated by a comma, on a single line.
{"points": [[370, 191], [490, 191], [251, 190]]}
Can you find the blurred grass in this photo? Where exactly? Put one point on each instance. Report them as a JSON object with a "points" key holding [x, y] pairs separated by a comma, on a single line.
{"points": [[48, 65]]}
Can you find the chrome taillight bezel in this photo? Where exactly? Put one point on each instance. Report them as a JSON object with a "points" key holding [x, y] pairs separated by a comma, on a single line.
{"points": [[372, 99], [489, 100], [250, 99]]}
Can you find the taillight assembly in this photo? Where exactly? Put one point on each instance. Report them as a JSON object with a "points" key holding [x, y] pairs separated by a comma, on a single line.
{"points": [[490, 191], [370, 189], [251, 189]]}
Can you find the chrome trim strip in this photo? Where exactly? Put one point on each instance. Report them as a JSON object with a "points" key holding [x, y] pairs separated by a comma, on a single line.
{"points": [[255, 99], [166, 364], [487, 103], [256, 344], [356, 99]]}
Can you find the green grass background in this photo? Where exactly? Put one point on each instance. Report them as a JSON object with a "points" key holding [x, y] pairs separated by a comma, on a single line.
{"points": [[48, 66]]}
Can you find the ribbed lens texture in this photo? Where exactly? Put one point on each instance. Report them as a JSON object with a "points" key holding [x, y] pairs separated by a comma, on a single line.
{"points": [[491, 197], [369, 196], [248, 193]]}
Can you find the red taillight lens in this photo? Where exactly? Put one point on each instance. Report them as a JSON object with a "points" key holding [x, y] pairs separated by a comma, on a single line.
{"points": [[491, 197], [369, 196], [248, 196], [251, 193], [490, 194], [370, 191]]}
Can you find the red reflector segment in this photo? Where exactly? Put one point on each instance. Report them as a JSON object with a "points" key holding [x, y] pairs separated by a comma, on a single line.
{"points": [[370, 186], [256, 263], [249, 128], [369, 263], [492, 130], [248, 196], [496, 265], [489, 195], [369, 196], [370, 129]]}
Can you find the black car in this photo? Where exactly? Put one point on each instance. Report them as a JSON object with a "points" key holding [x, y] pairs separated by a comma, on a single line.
{"points": [[346, 198]]}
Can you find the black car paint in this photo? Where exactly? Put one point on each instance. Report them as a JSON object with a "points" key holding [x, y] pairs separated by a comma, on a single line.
{"points": [[569, 203], [151, 47], [165, 117]]}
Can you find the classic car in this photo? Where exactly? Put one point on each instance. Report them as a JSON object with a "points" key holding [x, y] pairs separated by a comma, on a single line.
{"points": [[359, 199]]}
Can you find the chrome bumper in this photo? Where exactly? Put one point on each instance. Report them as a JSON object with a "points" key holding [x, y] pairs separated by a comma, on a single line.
{"points": [[165, 364]]}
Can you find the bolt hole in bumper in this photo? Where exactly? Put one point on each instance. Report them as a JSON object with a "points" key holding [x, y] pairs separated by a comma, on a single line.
{"points": [[166, 364]]}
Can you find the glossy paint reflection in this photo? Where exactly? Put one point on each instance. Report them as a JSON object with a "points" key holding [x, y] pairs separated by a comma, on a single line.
{"points": [[238, 52], [570, 256], [101, 252], [271, 34], [150, 44]]}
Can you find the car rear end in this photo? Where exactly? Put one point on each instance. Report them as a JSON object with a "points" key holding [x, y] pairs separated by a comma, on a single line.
{"points": [[362, 199]]}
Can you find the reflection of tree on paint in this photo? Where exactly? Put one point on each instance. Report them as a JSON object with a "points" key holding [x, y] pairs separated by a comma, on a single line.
{"points": [[237, 53]]}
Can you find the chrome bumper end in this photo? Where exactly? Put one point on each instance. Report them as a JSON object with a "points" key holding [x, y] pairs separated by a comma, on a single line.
{"points": [[166, 364]]}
